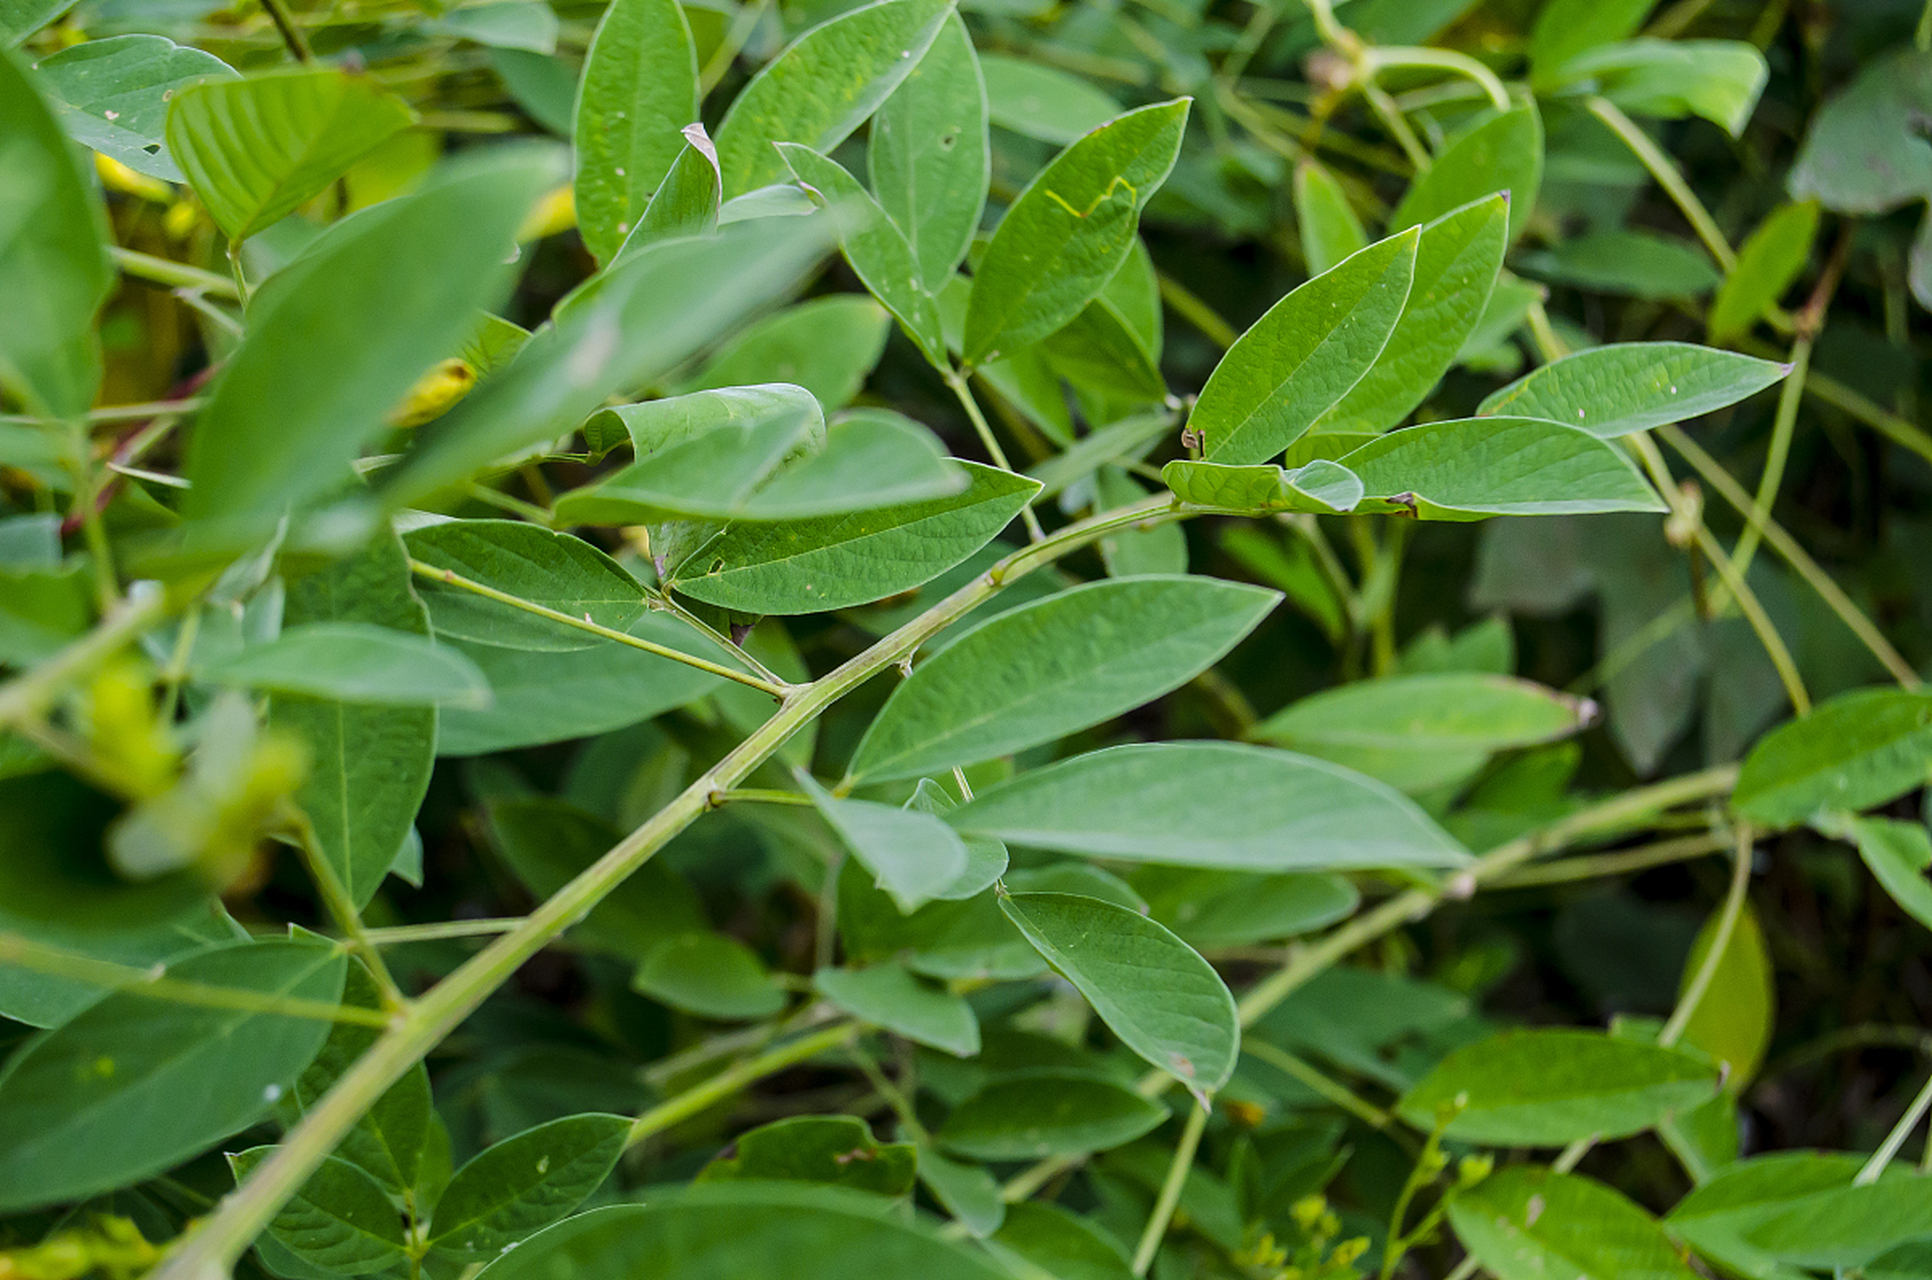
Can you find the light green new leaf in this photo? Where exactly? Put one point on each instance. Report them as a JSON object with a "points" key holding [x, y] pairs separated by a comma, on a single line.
{"points": [[1054, 667], [1039, 101], [1031, 1115], [1526, 1223], [1065, 235], [1321, 486], [1896, 852], [1633, 386], [686, 202], [929, 156], [1166, 802], [112, 95], [827, 345], [1501, 151], [538, 697], [1800, 1209], [369, 766], [1543, 1088], [354, 662], [1471, 468], [526, 1182], [710, 975], [1327, 223], [554, 570], [640, 89], [874, 246], [886, 996], [1734, 1019], [1719, 80], [1309, 350], [256, 149], [733, 1230], [1852, 752], [1456, 264], [1767, 263], [1440, 711], [53, 259], [823, 86], [808, 566], [340, 1220], [631, 323], [913, 855], [133, 1085], [1151, 989], [387, 293], [829, 1150]]}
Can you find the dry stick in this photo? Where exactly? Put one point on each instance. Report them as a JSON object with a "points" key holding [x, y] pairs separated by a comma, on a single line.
{"points": [[211, 1248], [1793, 555]]}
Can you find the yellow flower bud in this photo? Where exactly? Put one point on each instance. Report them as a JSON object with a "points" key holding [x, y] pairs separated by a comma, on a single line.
{"points": [[116, 176], [434, 394]]}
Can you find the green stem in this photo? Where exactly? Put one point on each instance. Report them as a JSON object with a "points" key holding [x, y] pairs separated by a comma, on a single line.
{"points": [[663, 599], [776, 689], [1189, 307], [292, 36], [1700, 983], [1377, 59], [734, 1078], [761, 795], [1895, 1139], [1669, 178], [176, 275], [397, 935], [1790, 395], [1761, 624], [212, 1247], [1170, 1194], [341, 906], [1331, 1090], [964, 392], [1596, 866]]}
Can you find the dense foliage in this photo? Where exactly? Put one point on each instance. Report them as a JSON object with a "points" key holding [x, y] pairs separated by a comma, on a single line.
{"points": [[1192, 638]]}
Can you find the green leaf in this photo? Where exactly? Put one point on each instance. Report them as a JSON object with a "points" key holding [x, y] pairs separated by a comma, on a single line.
{"points": [[628, 325], [1047, 1236], [1151, 989], [1054, 667], [546, 843], [340, 1219], [1852, 752], [112, 95], [1629, 262], [834, 562], [1800, 1209], [986, 860], [887, 996], [551, 569], [829, 1150], [1329, 228], [686, 202], [823, 86], [1733, 1021], [524, 1183], [827, 346], [1321, 486], [1471, 468], [1043, 102], [1098, 351], [1210, 908], [1035, 1114], [1165, 802], [640, 89], [387, 292], [528, 25], [53, 261], [1546, 1087], [1565, 28], [1500, 151], [966, 1191], [369, 766], [538, 697], [1897, 853], [132, 1085], [389, 1139], [1443, 711], [929, 156], [43, 1000], [1633, 386], [734, 1230], [1767, 263], [914, 855], [1142, 549], [1527, 1223], [1719, 80], [354, 662], [1065, 235], [711, 975], [41, 611], [21, 18], [1456, 263], [874, 246], [1861, 154], [254, 150], [1300, 359]]}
